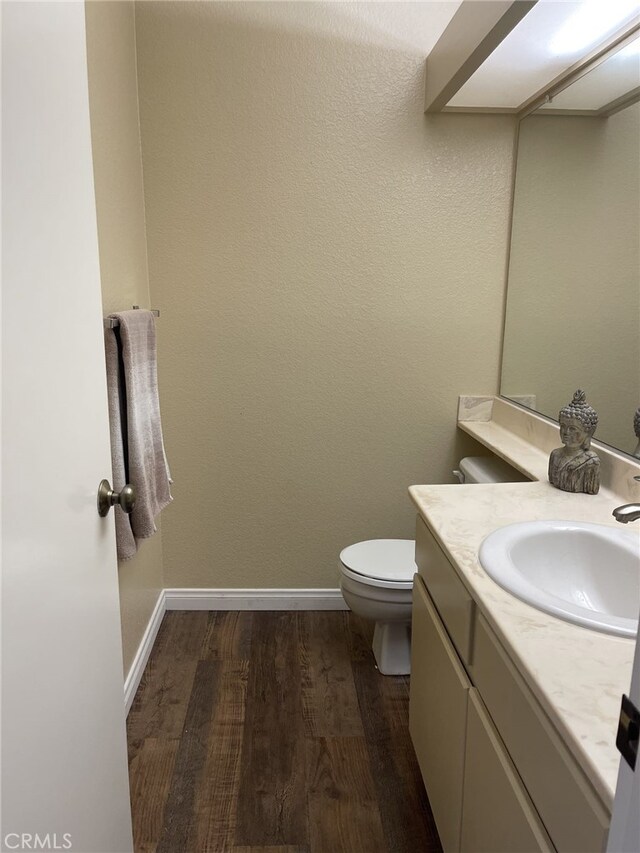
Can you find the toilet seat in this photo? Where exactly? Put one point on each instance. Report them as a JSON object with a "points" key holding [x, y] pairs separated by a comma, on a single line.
{"points": [[386, 563]]}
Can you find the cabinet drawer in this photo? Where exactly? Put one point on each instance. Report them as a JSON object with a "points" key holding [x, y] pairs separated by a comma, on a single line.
{"points": [[573, 814], [453, 602], [438, 715], [497, 814]]}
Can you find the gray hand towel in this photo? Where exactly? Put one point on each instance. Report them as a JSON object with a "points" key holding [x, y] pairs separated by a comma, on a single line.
{"points": [[143, 453], [126, 544]]}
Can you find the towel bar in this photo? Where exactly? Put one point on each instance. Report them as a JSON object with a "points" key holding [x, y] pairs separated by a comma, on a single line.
{"points": [[111, 322]]}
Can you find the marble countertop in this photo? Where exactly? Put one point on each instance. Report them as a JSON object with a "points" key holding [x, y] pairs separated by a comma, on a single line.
{"points": [[578, 675]]}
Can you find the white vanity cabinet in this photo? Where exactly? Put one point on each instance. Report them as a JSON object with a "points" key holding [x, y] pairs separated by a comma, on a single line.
{"points": [[438, 715], [498, 776]]}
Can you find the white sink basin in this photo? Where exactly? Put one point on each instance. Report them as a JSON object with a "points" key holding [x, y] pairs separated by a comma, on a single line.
{"points": [[584, 573]]}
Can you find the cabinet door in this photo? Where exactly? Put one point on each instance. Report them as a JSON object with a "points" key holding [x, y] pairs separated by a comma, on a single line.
{"points": [[437, 715], [575, 818], [497, 814]]}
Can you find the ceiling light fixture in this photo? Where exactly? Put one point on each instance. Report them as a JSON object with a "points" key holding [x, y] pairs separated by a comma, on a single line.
{"points": [[591, 24]]}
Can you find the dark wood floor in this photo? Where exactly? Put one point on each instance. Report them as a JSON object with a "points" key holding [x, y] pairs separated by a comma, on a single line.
{"points": [[256, 732]]}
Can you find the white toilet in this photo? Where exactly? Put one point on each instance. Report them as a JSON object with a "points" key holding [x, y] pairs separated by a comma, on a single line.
{"points": [[376, 576], [377, 583]]}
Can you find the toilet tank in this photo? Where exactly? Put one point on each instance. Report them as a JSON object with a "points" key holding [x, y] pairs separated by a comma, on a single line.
{"points": [[487, 469]]}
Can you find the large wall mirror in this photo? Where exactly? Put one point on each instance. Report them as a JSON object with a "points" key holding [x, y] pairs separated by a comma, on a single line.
{"points": [[573, 297]]}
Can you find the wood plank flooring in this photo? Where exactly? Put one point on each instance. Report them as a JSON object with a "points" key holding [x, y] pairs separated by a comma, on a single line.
{"points": [[272, 732]]}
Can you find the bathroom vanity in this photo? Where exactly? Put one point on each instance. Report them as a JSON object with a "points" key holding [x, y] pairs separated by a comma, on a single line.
{"points": [[513, 712]]}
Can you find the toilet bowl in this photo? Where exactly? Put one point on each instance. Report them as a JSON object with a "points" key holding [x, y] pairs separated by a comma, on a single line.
{"points": [[376, 578]]}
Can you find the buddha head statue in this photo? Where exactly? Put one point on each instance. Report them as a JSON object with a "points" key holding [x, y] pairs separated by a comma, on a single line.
{"points": [[578, 422]]}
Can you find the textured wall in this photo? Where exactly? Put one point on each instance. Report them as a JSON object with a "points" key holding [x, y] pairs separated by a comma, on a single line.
{"points": [[573, 311], [330, 267], [121, 234]]}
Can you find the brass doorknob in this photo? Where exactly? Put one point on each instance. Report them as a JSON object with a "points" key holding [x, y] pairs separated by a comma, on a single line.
{"points": [[107, 498]]}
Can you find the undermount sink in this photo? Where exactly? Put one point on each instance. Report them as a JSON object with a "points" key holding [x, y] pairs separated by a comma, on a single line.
{"points": [[584, 573]]}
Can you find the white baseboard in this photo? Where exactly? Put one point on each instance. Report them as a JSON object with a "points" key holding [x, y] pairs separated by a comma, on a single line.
{"points": [[254, 599], [134, 676]]}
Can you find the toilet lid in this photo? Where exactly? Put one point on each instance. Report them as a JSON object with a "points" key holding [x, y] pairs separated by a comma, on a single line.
{"points": [[391, 560]]}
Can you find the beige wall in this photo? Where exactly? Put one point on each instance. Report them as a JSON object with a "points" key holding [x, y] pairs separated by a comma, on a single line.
{"points": [[573, 311], [121, 235], [330, 266]]}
